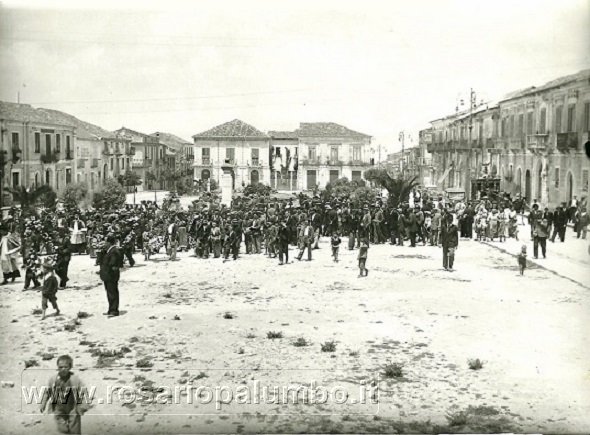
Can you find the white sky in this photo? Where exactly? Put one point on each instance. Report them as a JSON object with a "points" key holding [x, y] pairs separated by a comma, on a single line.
{"points": [[375, 66]]}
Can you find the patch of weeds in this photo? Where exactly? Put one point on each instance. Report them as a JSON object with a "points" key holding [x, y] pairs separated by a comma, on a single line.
{"points": [[167, 295], [241, 351], [329, 346], [36, 311], [176, 317], [46, 356], [83, 315], [201, 375], [393, 370], [86, 343], [301, 342], [274, 334], [475, 364], [144, 363], [250, 335], [31, 363], [457, 418], [354, 353], [228, 315], [133, 340]]}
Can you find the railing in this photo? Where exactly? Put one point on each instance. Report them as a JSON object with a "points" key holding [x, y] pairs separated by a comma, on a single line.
{"points": [[69, 156], [255, 162], [94, 163], [536, 142], [357, 162], [567, 141], [130, 151], [334, 162], [50, 158], [81, 163], [311, 162]]}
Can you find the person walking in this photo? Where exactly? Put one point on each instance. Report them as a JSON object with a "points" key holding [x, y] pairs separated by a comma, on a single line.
{"points": [[450, 241], [283, 235], [110, 265], [307, 240], [540, 234], [64, 255]]}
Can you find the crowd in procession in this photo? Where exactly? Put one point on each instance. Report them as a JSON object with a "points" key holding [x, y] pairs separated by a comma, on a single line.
{"points": [[263, 225]]}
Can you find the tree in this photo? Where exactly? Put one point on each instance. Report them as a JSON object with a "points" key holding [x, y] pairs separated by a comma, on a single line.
{"points": [[73, 195], [398, 188], [29, 198], [110, 196], [129, 179], [150, 177]]}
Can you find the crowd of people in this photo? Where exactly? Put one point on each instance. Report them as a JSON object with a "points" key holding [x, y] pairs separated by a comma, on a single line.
{"points": [[262, 224]]}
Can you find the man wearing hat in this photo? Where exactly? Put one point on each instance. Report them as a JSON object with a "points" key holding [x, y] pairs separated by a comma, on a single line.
{"points": [[109, 273]]}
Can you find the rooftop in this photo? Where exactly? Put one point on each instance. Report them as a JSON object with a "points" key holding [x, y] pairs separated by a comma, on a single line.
{"points": [[171, 140], [232, 129], [584, 74], [326, 129], [84, 130], [282, 134], [26, 112]]}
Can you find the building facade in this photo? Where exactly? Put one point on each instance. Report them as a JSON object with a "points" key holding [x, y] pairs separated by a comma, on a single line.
{"points": [[530, 143], [234, 144], [39, 147]]}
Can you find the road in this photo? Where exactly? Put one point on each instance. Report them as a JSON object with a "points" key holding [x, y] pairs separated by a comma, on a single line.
{"points": [[530, 332]]}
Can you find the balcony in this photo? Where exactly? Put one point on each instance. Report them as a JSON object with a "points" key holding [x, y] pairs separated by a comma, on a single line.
{"points": [[515, 143], [567, 142], [130, 151], [81, 163], [69, 156], [311, 162], [357, 162], [255, 163], [537, 142], [334, 162], [50, 158], [94, 163]]}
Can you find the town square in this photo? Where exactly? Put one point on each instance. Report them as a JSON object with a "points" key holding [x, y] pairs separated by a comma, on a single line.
{"points": [[209, 246]]}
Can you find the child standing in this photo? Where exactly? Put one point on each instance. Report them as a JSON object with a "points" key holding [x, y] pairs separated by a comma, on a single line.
{"points": [[49, 290], [522, 259], [32, 271], [335, 242], [362, 257]]}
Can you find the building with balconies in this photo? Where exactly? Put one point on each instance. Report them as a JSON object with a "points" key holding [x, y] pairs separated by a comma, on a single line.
{"points": [[39, 147], [233, 144], [543, 133]]}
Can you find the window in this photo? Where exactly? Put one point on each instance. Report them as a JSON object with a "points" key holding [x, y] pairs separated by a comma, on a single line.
{"points": [[58, 143], [356, 176], [123, 164], [37, 142], [529, 123], [68, 146], [312, 152], [68, 176], [587, 116], [230, 155], [334, 154], [585, 180], [255, 152], [111, 163], [556, 178], [14, 140], [558, 116], [356, 153], [543, 121], [334, 175], [571, 113], [161, 153], [48, 144], [206, 156], [521, 124], [511, 130], [15, 178]]}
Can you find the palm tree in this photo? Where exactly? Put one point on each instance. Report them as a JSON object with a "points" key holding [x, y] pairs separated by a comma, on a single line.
{"points": [[398, 188], [28, 198]]}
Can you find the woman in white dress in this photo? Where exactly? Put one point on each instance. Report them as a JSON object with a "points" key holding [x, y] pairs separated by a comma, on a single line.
{"points": [[9, 249]]}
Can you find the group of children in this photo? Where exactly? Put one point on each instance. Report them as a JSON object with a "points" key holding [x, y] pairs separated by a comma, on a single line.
{"points": [[362, 255]]}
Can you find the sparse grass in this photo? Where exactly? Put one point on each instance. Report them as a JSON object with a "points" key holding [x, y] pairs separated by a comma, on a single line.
{"points": [[167, 295], [144, 363], [31, 363], [475, 364], [329, 346], [393, 370], [457, 418], [354, 353], [83, 315], [241, 351], [228, 315], [86, 343], [301, 342], [46, 356], [201, 375], [274, 334], [176, 317], [250, 335]]}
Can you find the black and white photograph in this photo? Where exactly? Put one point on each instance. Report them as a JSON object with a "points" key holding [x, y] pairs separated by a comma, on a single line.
{"points": [[281, 216]]}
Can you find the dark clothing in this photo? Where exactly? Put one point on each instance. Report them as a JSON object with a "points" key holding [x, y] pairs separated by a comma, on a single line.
{"points": [[49, 292], [109, 273]]}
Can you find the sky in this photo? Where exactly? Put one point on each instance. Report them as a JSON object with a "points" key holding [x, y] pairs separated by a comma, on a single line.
{"points": [[378, 67]]}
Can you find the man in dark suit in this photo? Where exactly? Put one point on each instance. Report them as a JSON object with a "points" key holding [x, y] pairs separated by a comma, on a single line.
{"points": [[560, 218], [449, 239], [109, 273]]}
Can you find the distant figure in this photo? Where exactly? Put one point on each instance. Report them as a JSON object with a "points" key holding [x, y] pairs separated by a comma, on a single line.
{"points": [[522, 260], [362, 257]]}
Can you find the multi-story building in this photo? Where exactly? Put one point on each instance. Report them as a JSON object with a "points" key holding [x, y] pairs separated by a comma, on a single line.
{"points": [[100, 154], [233, 144], [149, 158], [329, 151], [39, 147], [531, 143], [284, 155], [179, 151]]}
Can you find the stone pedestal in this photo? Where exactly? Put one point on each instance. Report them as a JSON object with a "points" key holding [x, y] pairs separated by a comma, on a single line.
{"points": [[226, 185]]}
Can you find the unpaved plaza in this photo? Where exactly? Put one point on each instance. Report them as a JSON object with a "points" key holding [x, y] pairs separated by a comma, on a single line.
{"points": [[197, 322]]}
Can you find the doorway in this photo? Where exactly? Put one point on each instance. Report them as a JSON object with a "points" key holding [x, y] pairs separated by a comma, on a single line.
{"points": [[527, 186], [311, 179]]}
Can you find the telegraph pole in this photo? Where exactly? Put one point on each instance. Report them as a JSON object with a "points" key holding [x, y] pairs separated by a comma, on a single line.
{"points": [[472, 102], [401, 138]]}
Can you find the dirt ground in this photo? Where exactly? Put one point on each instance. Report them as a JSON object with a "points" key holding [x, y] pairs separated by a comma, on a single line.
{"points": [[530, 332]]}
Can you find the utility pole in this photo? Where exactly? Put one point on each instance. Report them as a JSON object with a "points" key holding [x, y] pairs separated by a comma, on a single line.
{"points": [[401, 138], [472, 103]]}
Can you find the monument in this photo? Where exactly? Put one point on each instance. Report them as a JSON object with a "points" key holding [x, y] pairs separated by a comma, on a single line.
{"points": [[226, 184]]}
